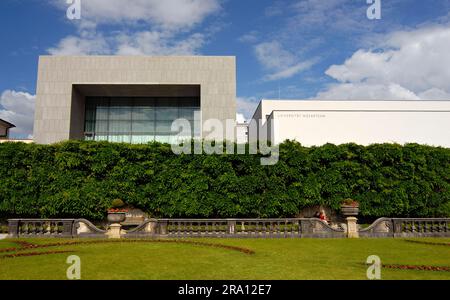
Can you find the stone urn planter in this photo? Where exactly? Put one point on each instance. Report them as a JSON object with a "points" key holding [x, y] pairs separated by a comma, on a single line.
{"points": [[116, 217], [349, 208]]}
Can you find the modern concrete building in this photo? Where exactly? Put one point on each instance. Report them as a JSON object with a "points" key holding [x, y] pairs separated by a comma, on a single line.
{"points": [[4, 129], [317, 122], [130, 98]]}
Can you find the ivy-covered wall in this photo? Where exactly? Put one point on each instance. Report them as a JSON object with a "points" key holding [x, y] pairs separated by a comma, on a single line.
{"points": [[79, 179]]}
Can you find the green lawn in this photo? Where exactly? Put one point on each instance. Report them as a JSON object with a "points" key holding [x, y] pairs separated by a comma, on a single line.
{"points": [[272, 259]]}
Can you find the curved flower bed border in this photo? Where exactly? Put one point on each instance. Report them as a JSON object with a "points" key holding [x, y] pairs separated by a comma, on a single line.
{"points": [[26, 245], [35, 253], [428, 243], [422, 268], [414, 267]]}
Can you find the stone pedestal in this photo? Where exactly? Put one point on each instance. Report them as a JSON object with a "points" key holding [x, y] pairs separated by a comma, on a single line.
{"points": [[114, 231], [13, 228], [163, 227], [151, 226], [352, 227]]}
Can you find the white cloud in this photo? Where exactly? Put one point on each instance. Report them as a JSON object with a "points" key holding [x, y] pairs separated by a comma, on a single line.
{"points": [[340, 15], [272, 56], [94, 44], [18, 108], [434, 94], [240, 118], [157, 43], [246, 106], [307, 26], [281, 63], [291, 71], [138, 43], [366, 91], [167, 14], [250, 37], [406, 65], [169, 24]]}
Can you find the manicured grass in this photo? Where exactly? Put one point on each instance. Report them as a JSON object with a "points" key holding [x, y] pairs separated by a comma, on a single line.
{"points": [[273, 259]]}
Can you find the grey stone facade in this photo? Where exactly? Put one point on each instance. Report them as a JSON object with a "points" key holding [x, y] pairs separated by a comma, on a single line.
{"points": [[64, 80]]}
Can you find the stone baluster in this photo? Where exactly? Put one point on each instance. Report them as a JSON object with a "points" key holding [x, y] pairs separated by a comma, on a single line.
{"points": [[231, 226]]}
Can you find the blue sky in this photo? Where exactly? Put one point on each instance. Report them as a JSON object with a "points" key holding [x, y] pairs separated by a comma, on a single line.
{"points": [[289, 49]]}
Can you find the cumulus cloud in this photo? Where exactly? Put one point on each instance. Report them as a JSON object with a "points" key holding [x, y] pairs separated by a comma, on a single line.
{"points": [[273, 56], [138, 27], [18, 108], [167, 14], [240, 118], [138, 43], [280, 62], [366, 91], [94, 44], [405, 65], [291, 71], [156, 43], [246, 106], [339, 14]]}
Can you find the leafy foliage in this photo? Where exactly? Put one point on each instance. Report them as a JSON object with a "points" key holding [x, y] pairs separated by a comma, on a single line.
{"points": [[80, 179], [117, 203]]}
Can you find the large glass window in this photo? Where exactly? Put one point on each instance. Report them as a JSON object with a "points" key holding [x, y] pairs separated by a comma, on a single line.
{"points": [[139, 120]]}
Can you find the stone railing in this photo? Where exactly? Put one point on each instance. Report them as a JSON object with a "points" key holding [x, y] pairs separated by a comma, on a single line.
{"points": [[40, 227], [426, 227], [382, 227], [238, 228], [252, 228], [84, 228], [408, 227]]}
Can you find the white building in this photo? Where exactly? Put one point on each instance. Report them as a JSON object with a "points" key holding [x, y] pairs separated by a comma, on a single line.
{"points": [[5, 126], [317, 122], [241, 133]]}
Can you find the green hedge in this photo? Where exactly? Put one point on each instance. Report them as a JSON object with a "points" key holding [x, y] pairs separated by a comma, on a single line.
{"points": [[79, 179]]}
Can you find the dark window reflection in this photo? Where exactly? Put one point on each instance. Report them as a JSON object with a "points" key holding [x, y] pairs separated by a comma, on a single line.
{"points": [[138, 120]]}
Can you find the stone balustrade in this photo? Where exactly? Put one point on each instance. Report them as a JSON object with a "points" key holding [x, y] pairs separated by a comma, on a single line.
{"points": [[40, 227], [426, 227], [238, 228], [408, 227]]}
